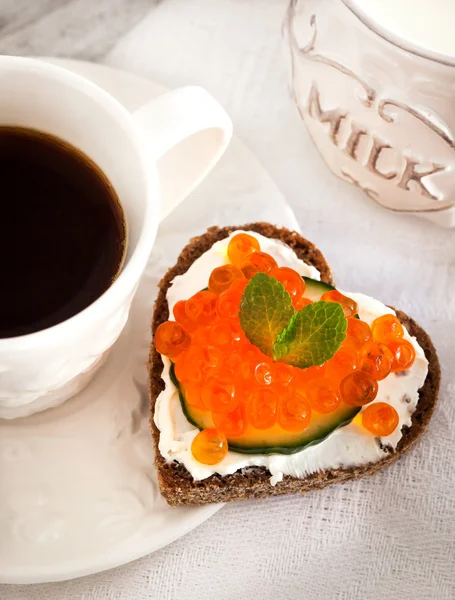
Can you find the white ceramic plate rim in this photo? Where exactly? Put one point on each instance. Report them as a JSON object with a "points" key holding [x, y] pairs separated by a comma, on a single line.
{"points": [[73, 569]]}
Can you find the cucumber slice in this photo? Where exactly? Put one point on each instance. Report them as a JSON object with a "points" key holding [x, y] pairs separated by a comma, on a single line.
{"points": [[274, 440], [314, 288]]}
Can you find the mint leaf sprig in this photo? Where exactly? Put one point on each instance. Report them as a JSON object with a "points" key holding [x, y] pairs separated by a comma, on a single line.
{"points": [[306, 338], [265, 311]]}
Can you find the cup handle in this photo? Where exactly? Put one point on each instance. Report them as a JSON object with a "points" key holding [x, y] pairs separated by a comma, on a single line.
{"points": [[186, 132]]}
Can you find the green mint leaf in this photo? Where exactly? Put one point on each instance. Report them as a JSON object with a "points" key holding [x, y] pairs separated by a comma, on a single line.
{"points": [[265, 310], [313, 336]]}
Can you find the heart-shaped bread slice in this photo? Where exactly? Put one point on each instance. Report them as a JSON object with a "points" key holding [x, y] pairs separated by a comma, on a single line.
{"points": [[176, 483]]}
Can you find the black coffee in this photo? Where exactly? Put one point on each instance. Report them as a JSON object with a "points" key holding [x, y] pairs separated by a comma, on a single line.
{"points": [[62, 231]]}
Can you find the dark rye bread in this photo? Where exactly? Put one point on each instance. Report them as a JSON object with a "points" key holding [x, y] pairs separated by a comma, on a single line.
{"points": [[177, 485]]}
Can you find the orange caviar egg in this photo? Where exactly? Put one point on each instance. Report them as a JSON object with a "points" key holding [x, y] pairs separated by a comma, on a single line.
{"points": [[293, 283], [193, 396], [201, 308], [263, 373], [239, 286], [301, 303], [261, 408], [283, 373], [171, 339], [253, 353], [190, 365], [342, 363], [350, 307], [181, 317], [223, 277], [358, 388], [198, 363], [386, 328], [323, 395], [403, 355], [222, 335], [238, 333], [380, 419], [232, 424], [213, 356], [232, 361], [259, 262], [240, 247], [218, 394], [376, 359], [201, 337], [213, 359], [303, 376], [228, 303], [294, 412], [358, 332], [209, 446], [244, 372]]}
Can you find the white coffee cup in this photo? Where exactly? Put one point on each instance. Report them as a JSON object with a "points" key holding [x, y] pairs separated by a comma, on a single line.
{"points": [[43, 369]]}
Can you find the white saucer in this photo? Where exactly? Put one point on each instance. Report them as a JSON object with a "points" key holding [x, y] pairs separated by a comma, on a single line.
{"points": [[78, 491]]}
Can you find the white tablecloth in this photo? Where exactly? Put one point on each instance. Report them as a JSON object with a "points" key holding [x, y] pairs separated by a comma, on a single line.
{"points": [[392, 536]]}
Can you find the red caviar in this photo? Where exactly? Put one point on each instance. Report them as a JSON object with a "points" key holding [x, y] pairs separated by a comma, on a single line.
{"points": [[284, 374], [294, 412], [349, 306], [293, 283], [213, 356], [358, 388], [342, 363], [201, 308], [244, 372], [201, 337], [358, 333], [222, 278], [223, 336], [209, 446], [240, 247], [223, 373], [304, 376], [181, 317], [387, 328], [233, 423], [171, 339], [263, 373], [218, 394], [258, 262], [191, 365], [261, 408], [323, 395], [380, 419], [403, 355], [376, 359], [228, 303]]}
